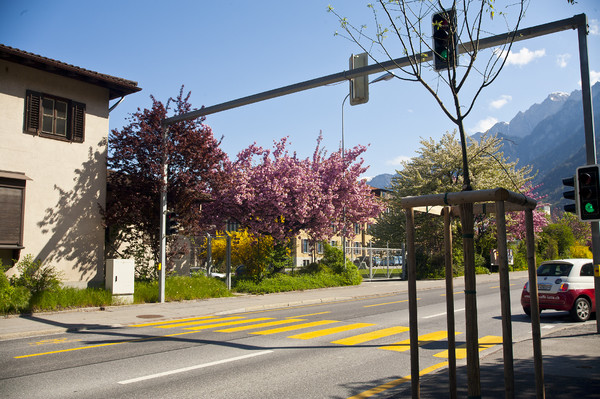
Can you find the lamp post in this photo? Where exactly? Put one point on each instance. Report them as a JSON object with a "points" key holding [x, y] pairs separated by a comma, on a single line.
{"points": [[384, 77]]}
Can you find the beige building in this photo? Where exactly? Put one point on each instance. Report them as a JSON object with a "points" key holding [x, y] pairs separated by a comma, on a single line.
{"points": [[53, 148], [305, 251]]}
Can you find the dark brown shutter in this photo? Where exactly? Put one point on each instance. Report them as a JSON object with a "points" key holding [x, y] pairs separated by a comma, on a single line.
{"points": [[32, 112], [78, 132], [11, 212]]}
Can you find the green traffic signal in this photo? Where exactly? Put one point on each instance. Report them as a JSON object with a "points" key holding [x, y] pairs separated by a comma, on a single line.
{"points": [[588, 192], [589, 208]]}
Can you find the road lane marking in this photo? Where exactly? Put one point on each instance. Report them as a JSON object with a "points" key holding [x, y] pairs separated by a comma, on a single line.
{"points": [[102, 345], [497, 286], [329, 331], [296, 327], [196, 367], [403, 346], [441, 314], [228, 323], [156, 323], [456, 292], [484, 343], [387, 303], [310, 314], [53, 341], [193, 323], [370, 336], [395, 383], [260, 325]]}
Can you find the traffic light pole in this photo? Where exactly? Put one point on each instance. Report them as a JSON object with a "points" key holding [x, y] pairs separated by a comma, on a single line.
{"points": [[590, 143], [163, 220]]}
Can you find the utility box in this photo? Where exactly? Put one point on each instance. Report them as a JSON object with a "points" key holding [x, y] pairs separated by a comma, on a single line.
{"points": [[120, 279]]}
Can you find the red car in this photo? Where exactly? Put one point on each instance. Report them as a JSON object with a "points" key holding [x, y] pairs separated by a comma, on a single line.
{"points": [[567, 285]]}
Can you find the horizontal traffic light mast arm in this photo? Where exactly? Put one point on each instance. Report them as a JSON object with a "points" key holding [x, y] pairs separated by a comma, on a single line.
{"points": [[463, 197], [498, 40]]}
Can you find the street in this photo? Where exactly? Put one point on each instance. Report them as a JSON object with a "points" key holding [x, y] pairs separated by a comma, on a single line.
{"points": [[335, 350]]}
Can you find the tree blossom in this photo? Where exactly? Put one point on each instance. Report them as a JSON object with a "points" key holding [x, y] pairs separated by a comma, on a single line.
{"points": [[515, 221], [275, 193]]}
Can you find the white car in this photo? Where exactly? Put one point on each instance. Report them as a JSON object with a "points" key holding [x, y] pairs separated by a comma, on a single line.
{"points": [[566, 284]]}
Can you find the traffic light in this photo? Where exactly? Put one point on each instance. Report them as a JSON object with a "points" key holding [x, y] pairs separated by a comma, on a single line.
{"points": [[445, 40], [570, 182], [588, 192], [172, 223], [359, 87]]}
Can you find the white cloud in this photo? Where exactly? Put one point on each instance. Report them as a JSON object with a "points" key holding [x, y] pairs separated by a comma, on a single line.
{"points": [[594, 77], [397, 161], [501, 102], [523, 57], [594, 27], [562, 59], [484, 125]]}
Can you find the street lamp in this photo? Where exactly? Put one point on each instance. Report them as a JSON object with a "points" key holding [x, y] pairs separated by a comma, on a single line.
{"points": [[385, 77]]}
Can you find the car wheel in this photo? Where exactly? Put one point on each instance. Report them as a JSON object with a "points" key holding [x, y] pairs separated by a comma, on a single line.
{"points": [[528, 311], [581, 310]]}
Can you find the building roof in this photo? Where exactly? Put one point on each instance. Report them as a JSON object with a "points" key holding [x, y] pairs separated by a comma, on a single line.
{"points": [[117, 87]]}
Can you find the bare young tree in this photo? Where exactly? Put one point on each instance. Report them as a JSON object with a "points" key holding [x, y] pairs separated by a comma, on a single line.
{"points": [[431, 34], [409, 27]]}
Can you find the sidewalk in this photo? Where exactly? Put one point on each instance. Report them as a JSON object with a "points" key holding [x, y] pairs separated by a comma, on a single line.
{"points": [[571, 355], [571, 361]]}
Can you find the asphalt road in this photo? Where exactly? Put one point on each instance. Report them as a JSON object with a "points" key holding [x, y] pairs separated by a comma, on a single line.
{"points": [[329, 350]]}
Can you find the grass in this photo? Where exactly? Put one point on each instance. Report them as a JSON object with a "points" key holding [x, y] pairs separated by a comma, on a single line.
{"points": [[284, 282], [177, 288], [180, 288], [380, 272], [67, 297]]}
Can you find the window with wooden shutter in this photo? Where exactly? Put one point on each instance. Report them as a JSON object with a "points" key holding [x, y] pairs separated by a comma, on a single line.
{"points": [[12, 195], [54, 117]]}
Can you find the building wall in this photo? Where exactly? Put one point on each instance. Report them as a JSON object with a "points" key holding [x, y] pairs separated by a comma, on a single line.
{"points": [[62, 222]]}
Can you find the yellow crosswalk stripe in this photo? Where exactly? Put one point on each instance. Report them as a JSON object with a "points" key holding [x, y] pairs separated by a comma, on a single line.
{"points": [[260, 325], [295, 327], [329, 331], [156, 323], [192, 323], [370, 336], [228, 323], [484, 343], [423, 340]]}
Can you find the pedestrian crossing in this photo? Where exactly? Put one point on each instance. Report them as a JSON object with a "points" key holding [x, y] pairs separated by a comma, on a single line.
{"points": [[364, 332]]}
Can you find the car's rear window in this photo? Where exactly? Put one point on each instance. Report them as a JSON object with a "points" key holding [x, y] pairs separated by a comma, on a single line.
{"points": [[554, 269]]}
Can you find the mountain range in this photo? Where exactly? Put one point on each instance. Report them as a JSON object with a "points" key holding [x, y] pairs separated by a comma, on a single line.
{"points": [[548, 136]]}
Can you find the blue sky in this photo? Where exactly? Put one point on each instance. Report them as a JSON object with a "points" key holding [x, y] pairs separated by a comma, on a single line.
{"points": [[227, 49]]}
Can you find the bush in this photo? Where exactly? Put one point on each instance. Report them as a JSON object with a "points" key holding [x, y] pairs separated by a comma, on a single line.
{"points": [[36, 277], [580, 251], [481, 270], [329, 272], [12, 299]]}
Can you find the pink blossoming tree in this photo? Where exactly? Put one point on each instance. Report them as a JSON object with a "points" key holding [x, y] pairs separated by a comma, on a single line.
{"points": [[278, 194]]}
